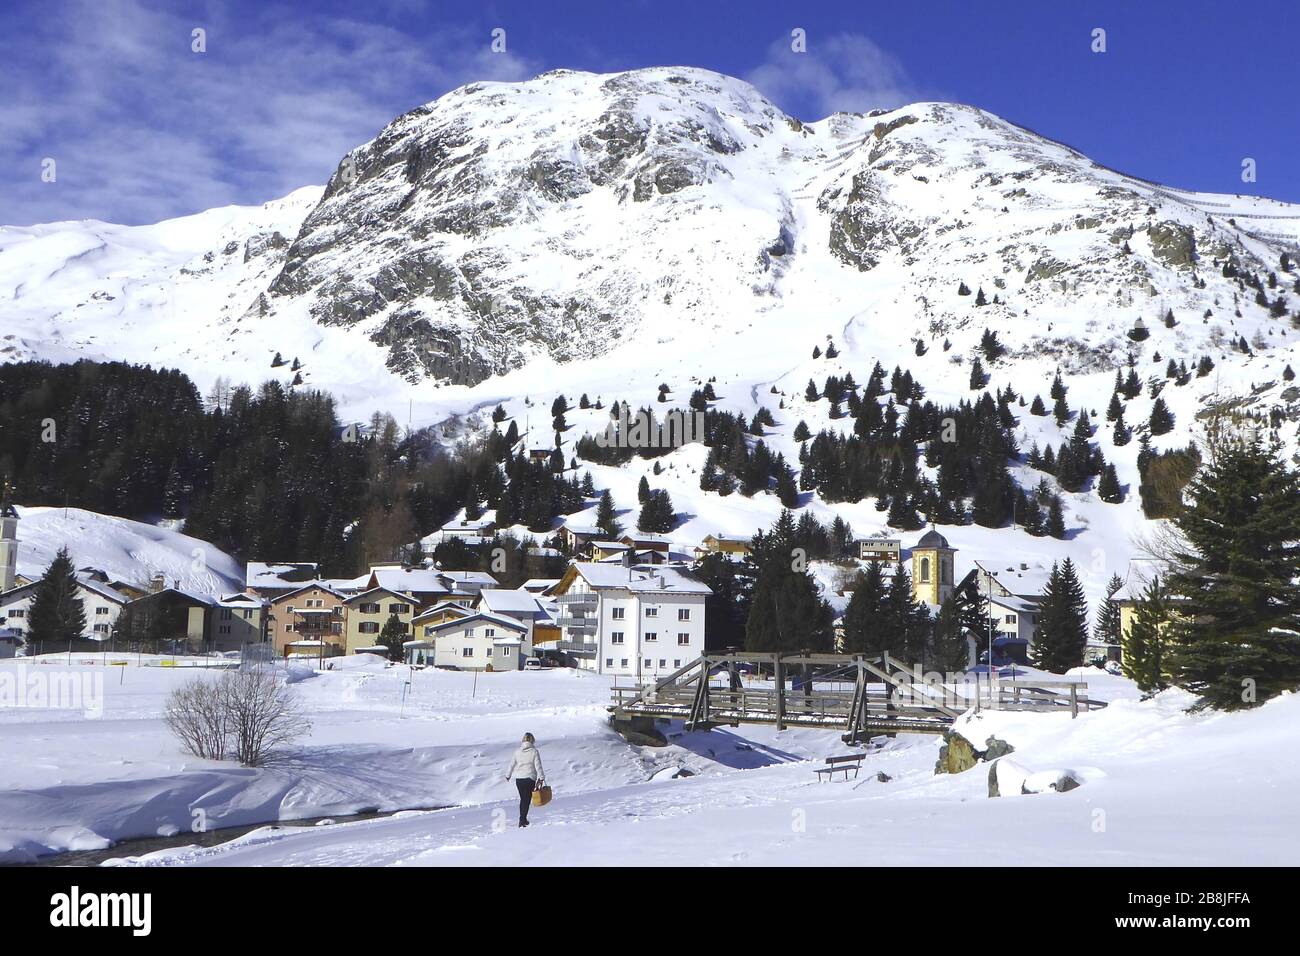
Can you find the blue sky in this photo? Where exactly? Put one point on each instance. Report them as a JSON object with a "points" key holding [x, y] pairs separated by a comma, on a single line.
{"points": [[142, 128]]}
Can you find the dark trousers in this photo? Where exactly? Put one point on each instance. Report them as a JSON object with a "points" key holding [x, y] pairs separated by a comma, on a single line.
{"points": [[525, 785]]}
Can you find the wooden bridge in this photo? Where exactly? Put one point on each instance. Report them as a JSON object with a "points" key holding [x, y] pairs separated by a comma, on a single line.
{"points": [[859, 695]]}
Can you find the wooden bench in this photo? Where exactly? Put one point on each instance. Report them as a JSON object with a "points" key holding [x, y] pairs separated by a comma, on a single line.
{"points": [[841, 765]]}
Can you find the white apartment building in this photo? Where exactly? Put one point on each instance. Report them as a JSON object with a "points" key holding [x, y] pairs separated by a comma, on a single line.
{"points": [[640, 621]]}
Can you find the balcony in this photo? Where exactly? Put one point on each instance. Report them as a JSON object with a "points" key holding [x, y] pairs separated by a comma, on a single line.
{"points": [[576, 647]]}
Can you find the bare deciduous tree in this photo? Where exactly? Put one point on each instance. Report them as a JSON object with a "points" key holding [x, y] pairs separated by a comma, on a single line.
{"points": [[197, 716], [247, 715]]}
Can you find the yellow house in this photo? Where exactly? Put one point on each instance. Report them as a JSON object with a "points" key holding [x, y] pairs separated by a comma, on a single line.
{"points": [[730, 544], [369, 611], [932, 574]]}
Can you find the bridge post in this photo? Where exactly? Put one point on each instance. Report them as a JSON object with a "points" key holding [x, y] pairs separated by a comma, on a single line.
{"points": [[779, 673]]}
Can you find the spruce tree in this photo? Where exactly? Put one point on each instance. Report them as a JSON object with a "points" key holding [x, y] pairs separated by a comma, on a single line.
{"points": [[1107, 629], [1145, 659], [1234, 596], [1162, 419], [1108, 488], [863, 614], [605, 517], [1062, 621], [57, 615], [1055, 525], [392, 637]]}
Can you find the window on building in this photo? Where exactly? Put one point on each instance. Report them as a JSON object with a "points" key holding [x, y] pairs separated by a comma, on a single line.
{"points": [[616, 613], [663, 662], [683, 614], [609, 662], [398, 608], [623, 662], [368, 608], [489, 632], [101, 610], [652, 612], [616, 637], [368, 627], [683, 638], [677, 662], [925, 570], [467, 652], [651, 635]]}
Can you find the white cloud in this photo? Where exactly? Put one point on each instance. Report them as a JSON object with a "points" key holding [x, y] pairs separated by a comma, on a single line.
{"points": [[142, 128], [843, 72]]}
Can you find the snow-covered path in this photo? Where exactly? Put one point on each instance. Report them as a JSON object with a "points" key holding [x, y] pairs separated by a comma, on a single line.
{"points": [[1159, 786]]}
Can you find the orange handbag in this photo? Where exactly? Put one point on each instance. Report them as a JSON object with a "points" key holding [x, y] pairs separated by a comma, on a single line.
{"points": [[541, 796]]}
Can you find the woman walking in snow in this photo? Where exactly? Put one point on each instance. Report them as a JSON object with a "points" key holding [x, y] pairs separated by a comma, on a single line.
{"points": [[526, 768]]}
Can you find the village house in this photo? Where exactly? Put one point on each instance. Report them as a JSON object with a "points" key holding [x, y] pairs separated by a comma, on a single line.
{"points": [[236, 620], [101, 604], [732, 545], [879, 548], [366, 614], [577, 537], [307, 621], [643, 541], [423, 623], [481, 641], [634, 621]]}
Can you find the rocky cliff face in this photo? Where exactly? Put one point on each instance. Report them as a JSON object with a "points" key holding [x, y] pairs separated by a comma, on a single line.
{"points": [[560, 215]]}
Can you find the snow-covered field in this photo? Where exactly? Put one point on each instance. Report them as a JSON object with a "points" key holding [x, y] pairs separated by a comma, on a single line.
{"points": [[1159, 786]]}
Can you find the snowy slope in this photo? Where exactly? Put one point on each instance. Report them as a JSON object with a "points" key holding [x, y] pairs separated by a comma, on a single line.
{"points": [[125, 550]]}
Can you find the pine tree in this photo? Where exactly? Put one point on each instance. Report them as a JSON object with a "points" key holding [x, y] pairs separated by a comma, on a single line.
{"points": [[950, 650], [642, 490], [1162, 419], [1237, 630], [787, 612], [1107, 629], [1062, 621], [1055, 525], [862, 616], [392, 637], [57, 615], [605, 517], [1146, 645], [1108, 488]]}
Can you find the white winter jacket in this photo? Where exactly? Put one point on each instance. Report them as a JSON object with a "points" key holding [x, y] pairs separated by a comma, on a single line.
{"points": [[526, 764]]}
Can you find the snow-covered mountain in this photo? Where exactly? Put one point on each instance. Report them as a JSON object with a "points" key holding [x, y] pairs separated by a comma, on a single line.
{"points": [[125, 550], [606, 233]]}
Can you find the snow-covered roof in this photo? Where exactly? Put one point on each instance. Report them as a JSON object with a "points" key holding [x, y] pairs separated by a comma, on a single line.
{"points": [[442, 607], [327, 586], [496, 619], [484, 523], [503, 601], [470, 577], [102, 589], [263, 574], [610, 545], [539, 584], [665, 578], [409, 579]]}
